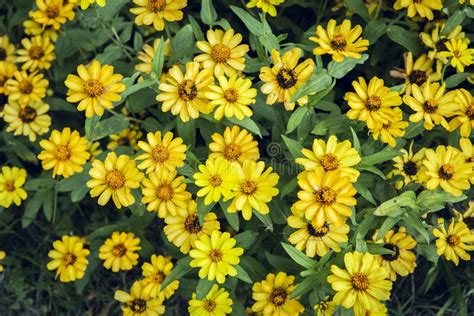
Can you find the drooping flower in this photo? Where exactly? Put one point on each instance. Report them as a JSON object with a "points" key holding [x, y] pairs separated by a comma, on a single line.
{"points": [[423, 8], [119, 251], [69, 258]]}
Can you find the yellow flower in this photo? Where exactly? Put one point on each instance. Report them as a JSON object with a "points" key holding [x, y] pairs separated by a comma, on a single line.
{"points": [[156, 12], [161, 152], [267, 6], [127, 137], [454, 242], [273, 296], [38, 53], [27, 120], [7, 70], [24, 87], [331, 155], [232, 97], [183, 93], [12, 180], [468, 216], [154, 273], [255, 189], [114, 177], [431, 104], [184, 228], [69, 258], [437, 42], [7, 50], [93, 148], [340, 41], [362, 285], [148, 53], [64, 152], [315, 240], [373, 103], [234, 145], [285, 77], [86, 3], [468, 151], [222, 52], [392, 129], [464, 114], [447, 167], [408, 165], [325, 307], [165, 193], [216, 178], [459, 54], [95, 88], [138, 302], [403, 260], [424, 8], [215, 303], [34, 28], [325, 197], [119, 251], [53, 12], [2, 256], [216, 256]]}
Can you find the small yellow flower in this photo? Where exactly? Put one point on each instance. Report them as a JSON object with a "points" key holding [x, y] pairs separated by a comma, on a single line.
{"points": [[216, 178], [161, 152], [408, 165], [53, 12], [223, 53], [184, 228], [34, 28], [436, 42], [273, 296], [119, 251], [156, 12], [255, 189], [455, 241], [148, 53], [285, 77], [154, 273], [467, 150], [2, 256], [388, 132], [234, 145], [267, 6], [27, 120], [331, 155], [459, 54], [127, 137], [7, 70], [362, 285], [165, 193], [93, 148], [38, 53], [216, 256], [138, 302], [69, 258], [25, 87], [423, 8], [64, 152], [340, 41], [215, 303], [114, 177], [464, 114], [86, 3], [12, 180], [325, 307], [7, 50], [95, 88]]}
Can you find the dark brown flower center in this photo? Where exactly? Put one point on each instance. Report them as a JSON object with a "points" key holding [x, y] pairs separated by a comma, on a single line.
{"points": [[286, 78], [329, 162], [231, 95], [3, 53], [115, 179], [410, 168], [338, 43], [62, 153], [430, 106], [164, 192], [123, 141], [69, 259], [191, 224], [279, 296], [52, 11], [470, 111], [317, 231], [441, 45], [220, 53], [10, 186], [453, 240], [36, 52], [187, 90], [215, 255], [93, 88], [373, 103], [138, 306], [27, 114], [209, 305], [249, 187], [156, 5], [25, 87], [418, 77], [232, 152], [158, 277], [360, 282], [325, 195], [446, 172], [160, 153], [394, 256], [119, 250]]}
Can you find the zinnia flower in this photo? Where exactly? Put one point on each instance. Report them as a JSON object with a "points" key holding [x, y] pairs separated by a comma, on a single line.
{"points": [[119, 251], [215, 303], [69, 258]]}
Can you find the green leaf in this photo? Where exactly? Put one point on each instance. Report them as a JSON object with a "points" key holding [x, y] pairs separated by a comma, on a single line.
{"points": [[246, 123], [246, 239], [379, 157], [208, 12], [196, 28], [159, 59], [265, 219], [387, 225], [269, 41], [339, 70], [296, 118], [299, 257], [137, 87], [203, 287], [355, 140], [110, 126], [203, 209], [181, 269], [456, 79], [232, 219], [372, 169], [414, 129], [90, 125], [427, 251], [252, 24], [107, 12], [392, 207], [374, 30], [49, 204], [293, 146], [378, 249], [434, 200], [31, 208], [365, 193], [187, 131], [358, 7], [412, 220], [319, 81], [405, 38], [454, 20], [242, 274], [308, 284]]}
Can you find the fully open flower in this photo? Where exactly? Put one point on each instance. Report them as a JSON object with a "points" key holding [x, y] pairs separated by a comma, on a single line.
{"points": [[25, 87], [455, 241], [459, 54], [408, 165], [69, 258], [28, 120], [12, 180], [119, 251], [217, 178], [154, 273], [157, 12], [215, 303], [38, 53], [464, 114], [53, 12], [139, 302], [234, 145]]}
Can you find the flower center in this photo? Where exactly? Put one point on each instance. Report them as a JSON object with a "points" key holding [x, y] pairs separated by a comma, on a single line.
{"points": [[373, 103], [418, 77], [158, 277], [9, 186], [52, 11], [249, 187], [209, 305], [394, 256], [286, 78], [187, 90], [123, 141], [470, 111], [3, 53], [62, 153], [278, 296], [232, 152], [325, 195], [93, 88], [69, 259], [27, 114], [446, 172], [215, 180], [457, 53], [329, 162], [317, 231], [160, 153], [430, 106], [114, 179], [164, 192], [3, 80], [441, 45], [156, 5], [35, 52], [453, 240], [231, 95], [119, 250], [410, 168], [220, 53], [138, 306], [360, 281], [191, 224], [338, 43], [215, 255], [25, 87]]}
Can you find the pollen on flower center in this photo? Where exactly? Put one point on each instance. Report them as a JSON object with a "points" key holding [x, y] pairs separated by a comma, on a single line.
{"points": [[278, 296], [325, 195], [138, 306], [160, 153], [63, 153], [164, 192], [215, 255], [457, 53], [94, 88], [220, 53], [410, 168], [156, 5], [69, 259], [329, 162], [286, 78], [231, 95], [453, 240], [317, 231], [418, 77], [232, 152], [191, 224], [249, 187], [25, 87], [158, 277], [446, 172], [338, 43], [187, 90], [9, 186], [373, 103], [52, 11], [119, 250], [394, 256], [27, 114], [470, 111], [115, 179], [360, 281], [36, 52], [209, 305], [430, 106], [3, 54], [215, 180]]}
